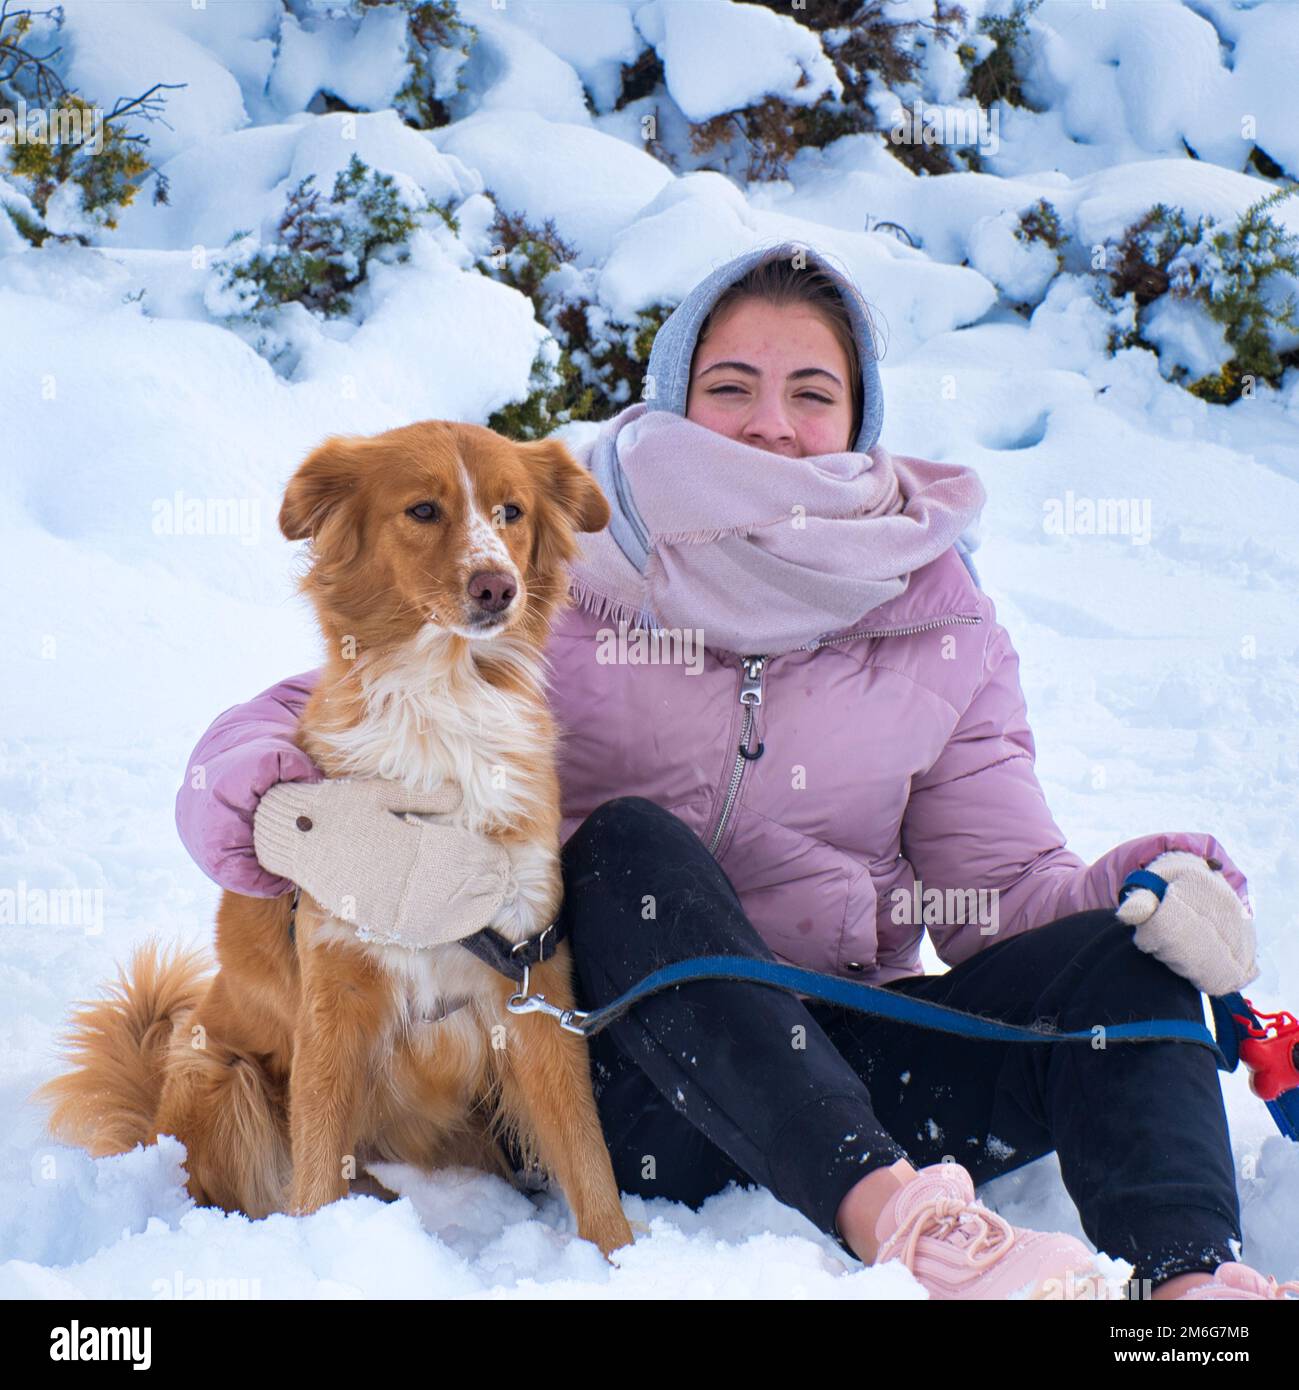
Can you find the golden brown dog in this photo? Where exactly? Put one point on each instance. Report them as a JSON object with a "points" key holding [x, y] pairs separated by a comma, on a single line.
{"points": [[437, 563]]}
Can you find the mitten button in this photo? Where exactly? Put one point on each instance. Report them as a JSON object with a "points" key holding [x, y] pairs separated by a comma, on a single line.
{"points": [[304, 822]]}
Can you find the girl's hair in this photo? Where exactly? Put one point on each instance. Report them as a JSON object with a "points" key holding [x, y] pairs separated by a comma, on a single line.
{"points": [[779, 282]]}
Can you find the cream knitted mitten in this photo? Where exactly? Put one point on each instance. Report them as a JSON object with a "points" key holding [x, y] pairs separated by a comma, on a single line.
{"points": [[356, 847], [1200, 929]]}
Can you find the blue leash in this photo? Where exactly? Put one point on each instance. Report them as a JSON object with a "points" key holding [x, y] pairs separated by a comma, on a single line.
{"points": [[886, 1003], [923, 1013]]}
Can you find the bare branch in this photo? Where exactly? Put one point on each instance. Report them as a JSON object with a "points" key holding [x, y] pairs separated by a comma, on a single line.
{"points": [[48, 86], [146, 104]]}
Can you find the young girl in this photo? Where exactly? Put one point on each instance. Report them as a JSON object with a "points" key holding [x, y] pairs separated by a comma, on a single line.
{"points": [[848, 736]]}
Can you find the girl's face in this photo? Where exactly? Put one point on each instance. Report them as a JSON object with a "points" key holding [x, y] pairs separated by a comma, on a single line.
{"points": [[774, 378]]}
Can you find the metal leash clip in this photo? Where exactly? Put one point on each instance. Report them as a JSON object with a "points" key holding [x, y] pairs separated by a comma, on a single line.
{"points": [[570, 1020]]}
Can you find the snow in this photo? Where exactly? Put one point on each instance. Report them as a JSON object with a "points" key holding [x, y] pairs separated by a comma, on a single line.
{"points": [[108, 58], [595, 40], [781, 57], [149, 589], [1186, 338], [527, 163], [1125, 81], [702, 220], [362, 62], [237, 182], [945, 215], [1021, 270], [509, 70]]}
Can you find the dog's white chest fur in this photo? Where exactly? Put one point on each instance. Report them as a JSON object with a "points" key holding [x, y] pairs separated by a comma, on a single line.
{"points": [[428, 723]]}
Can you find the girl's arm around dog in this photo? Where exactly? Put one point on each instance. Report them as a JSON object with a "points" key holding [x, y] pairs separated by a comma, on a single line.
{"points": [[247, 750]]}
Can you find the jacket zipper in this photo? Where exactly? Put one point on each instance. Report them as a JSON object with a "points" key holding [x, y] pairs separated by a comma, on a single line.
{"points": [[888, 632], [751, 696]]}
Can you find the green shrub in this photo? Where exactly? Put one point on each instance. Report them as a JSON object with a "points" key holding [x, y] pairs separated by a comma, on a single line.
{"points": [[1041, 222], [592, 365], [438, 42], [1224, 268], [1227, 272], [555, 396], [322, 247], [866, 46], [996, 77], [74, 188]]}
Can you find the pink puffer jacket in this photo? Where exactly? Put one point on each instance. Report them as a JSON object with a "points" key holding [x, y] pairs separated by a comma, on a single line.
{"points": [[897, 752]]}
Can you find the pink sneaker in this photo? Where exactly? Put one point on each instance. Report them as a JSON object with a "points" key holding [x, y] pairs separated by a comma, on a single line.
{"points": [[1232, 1280], [957, 1248]]}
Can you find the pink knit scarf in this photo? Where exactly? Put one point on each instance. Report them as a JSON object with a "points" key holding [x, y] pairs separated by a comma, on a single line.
{"points": [[756, 551]]}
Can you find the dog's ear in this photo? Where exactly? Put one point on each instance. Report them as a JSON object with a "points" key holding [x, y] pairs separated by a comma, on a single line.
{"points": [[327, 477], [567, 484]]}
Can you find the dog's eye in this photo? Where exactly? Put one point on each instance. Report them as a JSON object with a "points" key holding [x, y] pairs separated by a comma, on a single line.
{"points": [[423, 511], [511, 512]]}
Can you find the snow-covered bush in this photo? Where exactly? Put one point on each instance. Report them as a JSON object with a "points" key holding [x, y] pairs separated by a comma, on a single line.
{"points": [[879, 56], [1041, 222], [592, 365], [994, 75], [1233, 273], [1020, 252], [320, 252], [852, 54], [71, 167], [371, 55], [438, 43]]}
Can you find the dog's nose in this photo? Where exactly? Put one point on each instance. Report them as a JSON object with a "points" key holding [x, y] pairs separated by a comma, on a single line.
{"points": [[491, 590]]}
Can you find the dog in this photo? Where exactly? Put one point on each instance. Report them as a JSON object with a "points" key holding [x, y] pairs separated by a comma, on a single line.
{"points": [[437, 563]]}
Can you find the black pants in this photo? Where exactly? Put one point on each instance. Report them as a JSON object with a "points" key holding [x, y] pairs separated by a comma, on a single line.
{"points": [[719, 1080]]}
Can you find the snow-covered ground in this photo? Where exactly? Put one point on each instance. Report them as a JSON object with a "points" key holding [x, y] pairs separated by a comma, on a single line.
{"points": [[1161, 668]]}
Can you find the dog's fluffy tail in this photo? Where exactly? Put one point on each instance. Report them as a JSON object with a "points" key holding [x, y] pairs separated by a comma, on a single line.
{"points": [[118, 1048]]}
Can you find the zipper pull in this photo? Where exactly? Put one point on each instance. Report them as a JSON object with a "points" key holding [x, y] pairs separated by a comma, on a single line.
{"points": [[750, 696], [751, 685]]}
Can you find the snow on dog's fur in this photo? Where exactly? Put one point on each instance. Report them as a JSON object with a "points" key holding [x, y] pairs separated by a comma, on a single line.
{"points": [[437, 562]]}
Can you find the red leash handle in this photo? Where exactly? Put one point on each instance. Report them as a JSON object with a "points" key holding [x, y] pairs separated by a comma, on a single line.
{"points": [[1270, 1049]]}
